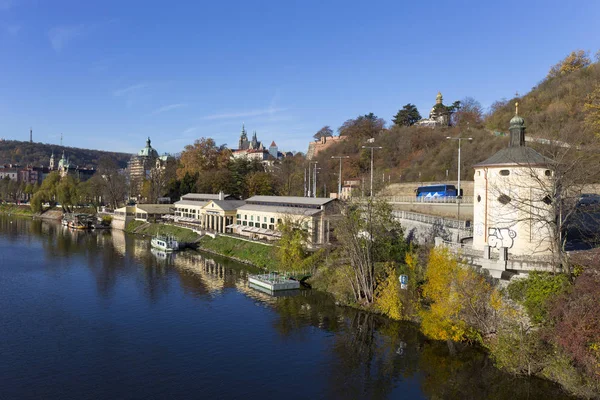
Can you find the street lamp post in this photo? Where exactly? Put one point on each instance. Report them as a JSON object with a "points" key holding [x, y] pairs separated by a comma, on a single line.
{"points": [[315, 181], [372, 148], [458, 195], [340, 176], [310, 188], [459, 140]]}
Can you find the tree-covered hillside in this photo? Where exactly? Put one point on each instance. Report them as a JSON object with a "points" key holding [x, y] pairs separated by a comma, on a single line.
{"points": [[556, 106], [564, 107], [38, 154]]}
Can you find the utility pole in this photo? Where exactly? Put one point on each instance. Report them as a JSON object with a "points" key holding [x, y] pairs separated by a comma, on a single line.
{"points": [[458, 195], [310, 188], [372, 148], [315, 180], [460, 139], [340, 176], [304, 182]]}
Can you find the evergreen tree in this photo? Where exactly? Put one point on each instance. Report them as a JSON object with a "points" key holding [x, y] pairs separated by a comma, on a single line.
{"points": [[407, 116]]}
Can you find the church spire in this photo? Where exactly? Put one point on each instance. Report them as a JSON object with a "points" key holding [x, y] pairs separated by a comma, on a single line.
{"points": [[517, 129]]}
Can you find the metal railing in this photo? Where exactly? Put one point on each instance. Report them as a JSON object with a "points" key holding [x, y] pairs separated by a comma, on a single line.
{"points": [[465, 249], [427, 200], [464, 226]]}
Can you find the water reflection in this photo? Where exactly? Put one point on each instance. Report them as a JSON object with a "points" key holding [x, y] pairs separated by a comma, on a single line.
{"points": [[207, 301]]}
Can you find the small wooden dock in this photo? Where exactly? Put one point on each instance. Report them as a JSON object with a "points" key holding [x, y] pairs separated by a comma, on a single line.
{"points": [[273, 282]]}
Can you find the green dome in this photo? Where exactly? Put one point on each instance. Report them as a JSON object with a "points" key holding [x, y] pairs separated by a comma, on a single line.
{"points": [[148, 151], [517, 122]]}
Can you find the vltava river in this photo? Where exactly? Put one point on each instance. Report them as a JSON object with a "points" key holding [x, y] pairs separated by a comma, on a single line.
{"points": [[99, 316]]}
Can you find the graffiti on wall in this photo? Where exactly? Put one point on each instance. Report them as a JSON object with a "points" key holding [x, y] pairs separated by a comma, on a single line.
{"points": [[501, 237]]}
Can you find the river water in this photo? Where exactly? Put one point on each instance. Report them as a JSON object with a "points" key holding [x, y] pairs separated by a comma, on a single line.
{"points": [[99, 316]]}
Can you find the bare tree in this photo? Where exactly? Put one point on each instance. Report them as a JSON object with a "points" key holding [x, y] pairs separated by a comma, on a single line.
{"points": [[544, 196], [368, 234], [114, 181]]}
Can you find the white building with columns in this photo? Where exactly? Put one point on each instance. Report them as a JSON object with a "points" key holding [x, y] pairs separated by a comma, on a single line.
{"points": [[511, 207], [207, 211], [261, 217]]}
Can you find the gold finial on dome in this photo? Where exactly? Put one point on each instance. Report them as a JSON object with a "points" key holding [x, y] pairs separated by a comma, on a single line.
{"points": [[517, 108], [438, 98]]}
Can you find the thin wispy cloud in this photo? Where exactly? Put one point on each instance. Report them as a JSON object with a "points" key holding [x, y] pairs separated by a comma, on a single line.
{"points": [[244, 114], [129, 90], [61, 36], [189, 130], [169, 108]]}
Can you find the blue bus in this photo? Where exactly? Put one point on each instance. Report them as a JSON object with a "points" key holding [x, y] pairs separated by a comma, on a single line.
{"points": [[436, 191]]}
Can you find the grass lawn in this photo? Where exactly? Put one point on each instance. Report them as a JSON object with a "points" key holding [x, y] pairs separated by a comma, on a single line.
{"points": [[151, 229], [15, 209], [257, 254]]}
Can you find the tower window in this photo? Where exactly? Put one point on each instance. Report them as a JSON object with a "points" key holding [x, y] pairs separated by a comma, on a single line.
{"points": [[504, 199], [478, 198], [547, 200], [548, 172], [504, 172]]}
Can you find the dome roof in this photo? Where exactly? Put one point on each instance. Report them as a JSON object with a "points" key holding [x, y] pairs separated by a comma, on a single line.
{"points": [[148, 151], [517, 122]]}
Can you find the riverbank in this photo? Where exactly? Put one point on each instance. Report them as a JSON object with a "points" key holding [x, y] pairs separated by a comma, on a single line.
{"points": [[25, 211], [13, 209], [531, 355], [242, 251], [182, 235]]}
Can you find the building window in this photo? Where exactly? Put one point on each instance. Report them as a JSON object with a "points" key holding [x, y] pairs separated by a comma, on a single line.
{"points": [[548, 172], [272, 220], [265, 219], [245, 216], [252, 218], [250, 223], [504, 172], [478, 198], [547, 200], [504, 199], [264, 226], [244, 223], [271, 227], [238, 216]]}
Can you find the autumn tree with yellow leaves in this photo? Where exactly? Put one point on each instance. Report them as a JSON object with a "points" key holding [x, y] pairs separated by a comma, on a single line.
{"points": [[463, 304], [592, 110], [575, 61]]}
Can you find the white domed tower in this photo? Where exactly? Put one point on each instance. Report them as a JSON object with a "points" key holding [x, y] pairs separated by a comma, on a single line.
{"points": [[511, 206]]}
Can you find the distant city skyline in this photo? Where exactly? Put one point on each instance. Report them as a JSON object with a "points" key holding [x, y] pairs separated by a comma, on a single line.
{"points": [[108, 75]]}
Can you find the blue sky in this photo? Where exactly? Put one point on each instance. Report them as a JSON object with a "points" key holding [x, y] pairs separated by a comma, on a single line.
{"points": [[107, 74]]}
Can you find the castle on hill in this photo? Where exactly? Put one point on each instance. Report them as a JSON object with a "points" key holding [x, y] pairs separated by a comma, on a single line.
{"points": [[255, 150]]}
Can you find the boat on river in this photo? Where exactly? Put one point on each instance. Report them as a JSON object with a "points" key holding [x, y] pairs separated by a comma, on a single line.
{"points": [[165, 243], [77, 221]]}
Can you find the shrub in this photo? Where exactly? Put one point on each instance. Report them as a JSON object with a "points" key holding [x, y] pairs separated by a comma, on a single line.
{"points": [[576, 317], [536, 290], [387, 294]]}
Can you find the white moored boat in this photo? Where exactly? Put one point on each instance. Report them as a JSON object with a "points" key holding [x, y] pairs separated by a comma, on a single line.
{"points": [[165, 243]]}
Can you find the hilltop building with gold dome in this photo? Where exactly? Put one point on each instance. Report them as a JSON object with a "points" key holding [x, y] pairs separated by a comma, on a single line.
{"points": [[438, 116]]}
